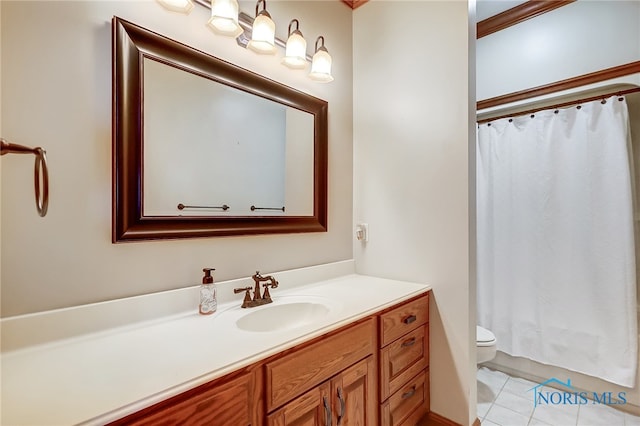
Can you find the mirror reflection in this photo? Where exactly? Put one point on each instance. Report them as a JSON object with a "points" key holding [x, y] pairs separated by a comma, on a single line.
{"points": [[211, 149]]}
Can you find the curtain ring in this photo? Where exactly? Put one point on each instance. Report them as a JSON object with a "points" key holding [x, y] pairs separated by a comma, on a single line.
{"points": [[41, 169]]}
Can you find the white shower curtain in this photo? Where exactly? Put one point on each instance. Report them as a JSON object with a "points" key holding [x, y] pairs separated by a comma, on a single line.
{"points": [[556, 268]]}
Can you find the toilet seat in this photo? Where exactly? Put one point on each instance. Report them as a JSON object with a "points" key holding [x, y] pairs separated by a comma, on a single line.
{"points": [[484, 337]]}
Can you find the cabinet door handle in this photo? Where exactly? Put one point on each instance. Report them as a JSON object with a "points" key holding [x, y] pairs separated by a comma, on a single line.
{"points": [[410, 393], [327, 411], [409, 342], [343, 406], [409, 319]]}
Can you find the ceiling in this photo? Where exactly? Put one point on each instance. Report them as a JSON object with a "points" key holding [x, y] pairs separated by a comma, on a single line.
{"points": [[488, 8]]}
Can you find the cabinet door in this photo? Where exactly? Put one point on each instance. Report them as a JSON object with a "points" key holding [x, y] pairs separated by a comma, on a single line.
{"points": [[311, 409], [224, 402], [354, 395]]}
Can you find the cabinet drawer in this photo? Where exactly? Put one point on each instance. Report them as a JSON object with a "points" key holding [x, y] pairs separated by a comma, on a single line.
{"points": [[415, 418], [299, 371], [402, 360], [403, 319], [411, 398]]}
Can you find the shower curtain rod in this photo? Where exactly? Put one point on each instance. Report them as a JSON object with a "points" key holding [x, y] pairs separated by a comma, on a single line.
{"points": [[561, 105]]}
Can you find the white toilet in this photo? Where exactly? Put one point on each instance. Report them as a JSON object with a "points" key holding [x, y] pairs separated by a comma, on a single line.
{"points": [[486, 345]]}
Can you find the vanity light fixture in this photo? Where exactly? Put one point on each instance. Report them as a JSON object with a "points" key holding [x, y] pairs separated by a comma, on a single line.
{"points": [[321, 63], [296, 49], [263, 32], [224, 18], [182, 6]]}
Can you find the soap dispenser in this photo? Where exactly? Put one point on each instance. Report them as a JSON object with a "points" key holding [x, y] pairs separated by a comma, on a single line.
{"points": [[208, 301]]}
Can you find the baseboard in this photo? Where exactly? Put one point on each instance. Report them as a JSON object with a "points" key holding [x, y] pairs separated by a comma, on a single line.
{"points": [[434, 419]]}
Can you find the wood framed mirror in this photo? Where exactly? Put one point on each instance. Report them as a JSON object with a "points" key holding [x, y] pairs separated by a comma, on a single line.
{"points": [[165, 188]]}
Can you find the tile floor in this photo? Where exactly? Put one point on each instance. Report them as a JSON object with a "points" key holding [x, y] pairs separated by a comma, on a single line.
{"points": [[506, 401]]}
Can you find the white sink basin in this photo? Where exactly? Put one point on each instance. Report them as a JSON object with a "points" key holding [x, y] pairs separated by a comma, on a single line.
{"points": [[283, 316]]}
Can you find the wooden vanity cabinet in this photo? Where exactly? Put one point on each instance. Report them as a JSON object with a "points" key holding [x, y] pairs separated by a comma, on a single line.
{"points": [[330, 382], [389, 387], [404, 363], [374, 371], [346, 399]]}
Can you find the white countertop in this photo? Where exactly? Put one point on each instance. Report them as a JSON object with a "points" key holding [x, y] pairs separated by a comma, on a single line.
{"points": [[98, 377]]}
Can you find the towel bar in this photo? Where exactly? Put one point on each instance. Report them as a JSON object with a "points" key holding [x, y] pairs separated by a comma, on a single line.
{"points": [[41, 171]]}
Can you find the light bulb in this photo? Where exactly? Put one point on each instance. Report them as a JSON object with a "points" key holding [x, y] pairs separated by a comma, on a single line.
{"points": [[182, 6], [263, 33], [296, 49], [321, 64], [224, 18]]}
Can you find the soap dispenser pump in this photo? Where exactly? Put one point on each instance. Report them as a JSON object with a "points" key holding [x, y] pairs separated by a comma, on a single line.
{"points": [[208, 301]]}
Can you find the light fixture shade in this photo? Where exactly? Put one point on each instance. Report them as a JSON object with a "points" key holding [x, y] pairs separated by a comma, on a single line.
{"points": [[224, 18], [321, 64], [263, 35], [182, 6], [296, 49]]}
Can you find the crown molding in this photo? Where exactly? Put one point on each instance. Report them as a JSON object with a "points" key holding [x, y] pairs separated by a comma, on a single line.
{"points": [[517, 14], [354, 4]]}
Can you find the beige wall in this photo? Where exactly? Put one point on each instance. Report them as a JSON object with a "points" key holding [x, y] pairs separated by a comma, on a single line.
{"points": [[56, 92], [412, 130]]}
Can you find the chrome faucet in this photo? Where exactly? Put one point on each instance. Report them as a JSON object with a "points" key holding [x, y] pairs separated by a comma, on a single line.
{"points": [[257, 299]]}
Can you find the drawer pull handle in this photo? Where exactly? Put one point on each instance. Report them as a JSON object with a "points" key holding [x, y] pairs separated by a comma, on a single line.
{"points": [[410, 393], [327, 410], [409, 342], [409, 319], [343, 406]]}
